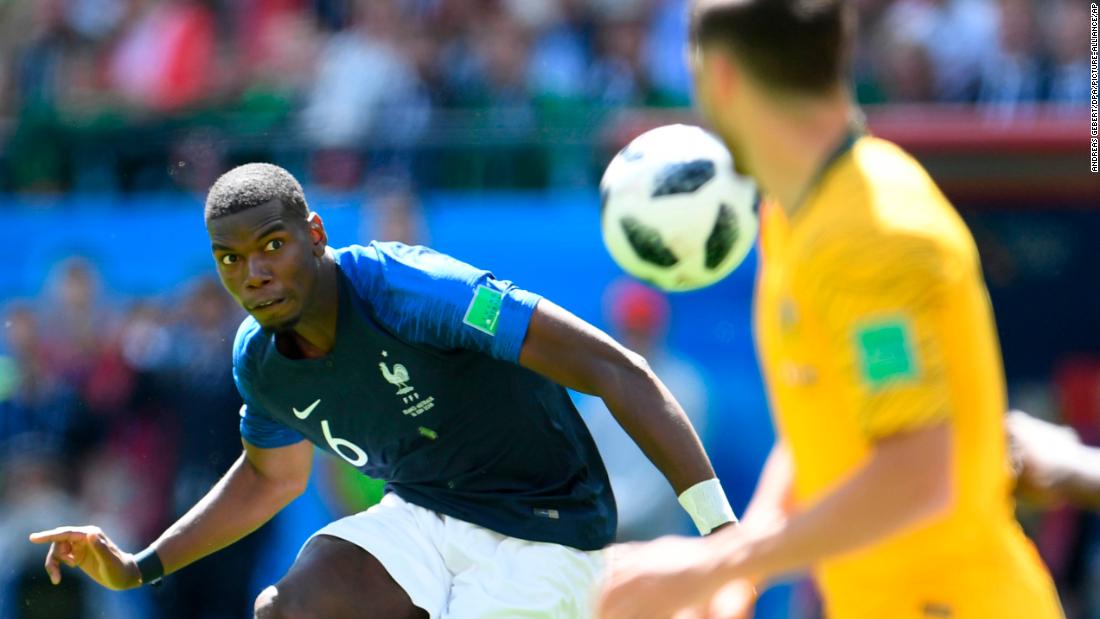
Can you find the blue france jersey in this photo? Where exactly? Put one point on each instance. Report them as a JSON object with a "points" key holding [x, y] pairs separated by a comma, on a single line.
{"points": [[422, 389]]}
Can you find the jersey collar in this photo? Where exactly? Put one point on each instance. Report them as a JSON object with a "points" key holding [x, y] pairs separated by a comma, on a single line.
{"points": [[856, 130]]}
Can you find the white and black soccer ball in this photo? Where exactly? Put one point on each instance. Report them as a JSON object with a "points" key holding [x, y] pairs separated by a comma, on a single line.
{"points": [[675, 214]]}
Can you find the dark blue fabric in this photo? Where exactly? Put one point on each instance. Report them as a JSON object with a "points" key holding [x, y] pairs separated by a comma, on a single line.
{"points": [[413, 394]]}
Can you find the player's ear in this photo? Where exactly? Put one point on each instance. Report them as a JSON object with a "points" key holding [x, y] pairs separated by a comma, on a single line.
{"points": [[725, 75], [714, 73], [317, 235]]}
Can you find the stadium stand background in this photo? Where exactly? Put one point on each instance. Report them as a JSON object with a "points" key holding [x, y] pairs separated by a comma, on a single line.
{"points": [[481, 127]]}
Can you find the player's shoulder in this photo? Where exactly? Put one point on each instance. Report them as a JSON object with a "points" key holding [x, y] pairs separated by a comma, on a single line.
{"points": [[395, 278], [248, 344], [902, 198], [881, 215], [386, 267], [882, 198]]}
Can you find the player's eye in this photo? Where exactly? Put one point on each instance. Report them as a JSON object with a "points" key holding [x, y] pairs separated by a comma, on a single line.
{"points": [[273, 244], [229, 259]]}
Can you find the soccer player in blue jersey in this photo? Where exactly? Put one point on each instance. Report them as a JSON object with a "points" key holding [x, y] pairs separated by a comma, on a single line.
{"points": [[435, 376]]}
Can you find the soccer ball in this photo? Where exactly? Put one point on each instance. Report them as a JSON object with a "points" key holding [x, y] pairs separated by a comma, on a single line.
{"points": [[675, 214]]}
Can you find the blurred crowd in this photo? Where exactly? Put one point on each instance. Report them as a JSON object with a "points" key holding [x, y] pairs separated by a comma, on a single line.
{"points": [[1000, 53], [118, 417], [114, 410], [138, 95]]}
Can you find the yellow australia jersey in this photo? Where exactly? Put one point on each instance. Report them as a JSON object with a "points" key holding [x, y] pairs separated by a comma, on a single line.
{"points": [[872, 319]]}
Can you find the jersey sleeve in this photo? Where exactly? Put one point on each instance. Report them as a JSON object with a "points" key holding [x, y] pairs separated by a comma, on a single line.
{"points": [[257, 426], [429, 298], [879, 300]]}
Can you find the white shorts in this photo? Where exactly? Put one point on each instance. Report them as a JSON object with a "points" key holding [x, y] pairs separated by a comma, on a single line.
{"points": [[457, 570]]}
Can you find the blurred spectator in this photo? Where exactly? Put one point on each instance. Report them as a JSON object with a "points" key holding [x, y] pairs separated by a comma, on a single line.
{"points": [[486, 75], [164, 61], [903, 71], [665, 52], [32, 494], [82, 339], [41, 55], [558, 61], [1068, 42], [40, 63], [36, 406], [366, 90], [198, 375], [617, 77], [1013, 75], [95, 19], [648, 507], [76, 323], [126, 444], [489, 67], [196, 382], [959, 38], [953, 37], [281, 45], [393, 212]]}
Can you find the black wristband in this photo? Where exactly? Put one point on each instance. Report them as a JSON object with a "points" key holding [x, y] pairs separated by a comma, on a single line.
{"points": [[149, 567]]}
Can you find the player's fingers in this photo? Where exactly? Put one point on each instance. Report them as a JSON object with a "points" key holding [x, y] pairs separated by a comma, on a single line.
{"points": [[66, 554], [69, 534], [53, 568]]}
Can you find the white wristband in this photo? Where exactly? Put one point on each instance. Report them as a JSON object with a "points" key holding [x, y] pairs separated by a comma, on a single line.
{"points": [[707, 505]]}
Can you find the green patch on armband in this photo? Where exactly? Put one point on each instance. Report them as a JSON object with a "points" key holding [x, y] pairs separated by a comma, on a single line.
{"points": [[886, 352], [484, 311]]}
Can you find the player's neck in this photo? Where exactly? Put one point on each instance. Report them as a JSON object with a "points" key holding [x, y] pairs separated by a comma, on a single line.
{"points": [[794, 145], [315, 334]]}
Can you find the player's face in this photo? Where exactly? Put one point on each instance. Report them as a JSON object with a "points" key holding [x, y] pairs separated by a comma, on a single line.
{"points": [[269, 259], [697, 61], [714, 80]]}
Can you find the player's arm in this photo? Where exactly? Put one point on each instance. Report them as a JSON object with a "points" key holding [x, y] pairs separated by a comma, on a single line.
{"points": [[772, 501], [433, 299], [771, 504], [577, 355], [906, 480], [259, 484]]}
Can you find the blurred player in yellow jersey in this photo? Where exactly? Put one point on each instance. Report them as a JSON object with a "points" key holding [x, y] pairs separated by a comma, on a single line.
{"points": [[890, 480]]}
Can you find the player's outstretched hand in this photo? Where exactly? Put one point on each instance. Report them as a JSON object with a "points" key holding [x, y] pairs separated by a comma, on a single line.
{"points": [[1043, 455], [658, 579], [89, 549]]}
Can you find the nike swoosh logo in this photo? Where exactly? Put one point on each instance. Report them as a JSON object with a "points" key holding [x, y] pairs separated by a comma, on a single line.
{"points": [[303, 414]]}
